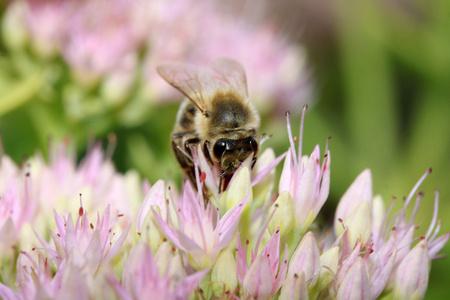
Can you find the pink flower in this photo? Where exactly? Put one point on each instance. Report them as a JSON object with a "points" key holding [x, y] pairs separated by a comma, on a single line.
{"points": [[83, 243], [400, 231], [17, 203], [80, 253], [201, 233], [266, 273], [97, 44], [306, 180], [177, 34], [141, 278], [61, 181]]}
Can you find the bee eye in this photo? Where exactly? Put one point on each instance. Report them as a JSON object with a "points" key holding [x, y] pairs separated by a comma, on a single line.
{"points": [[253, 144], [219, 147]]}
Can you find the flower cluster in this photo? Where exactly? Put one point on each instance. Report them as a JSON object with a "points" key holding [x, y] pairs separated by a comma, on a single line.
{"points": [[243, 243], [116, 51]]}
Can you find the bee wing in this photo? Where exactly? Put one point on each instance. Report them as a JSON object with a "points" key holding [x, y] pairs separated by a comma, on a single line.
{"points": [[230, 73], [194, 82]]}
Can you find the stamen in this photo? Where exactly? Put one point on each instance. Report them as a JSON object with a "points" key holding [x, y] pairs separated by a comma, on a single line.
{"points": [[81, 210], [416, 207], [435, 212], [413, 191], [291, 140], [300, 142]]}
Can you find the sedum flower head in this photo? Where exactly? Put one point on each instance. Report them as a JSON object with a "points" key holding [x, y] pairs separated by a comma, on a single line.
{"points": [[80, 252], [187, 246], [141, 278], [201, 233]]}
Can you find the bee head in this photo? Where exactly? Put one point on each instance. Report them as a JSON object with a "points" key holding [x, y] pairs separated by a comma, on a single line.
{"points": [[231, 153]]}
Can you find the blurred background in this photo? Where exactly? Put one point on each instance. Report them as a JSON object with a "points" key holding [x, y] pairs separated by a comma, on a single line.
{"points": [[375, 74]]}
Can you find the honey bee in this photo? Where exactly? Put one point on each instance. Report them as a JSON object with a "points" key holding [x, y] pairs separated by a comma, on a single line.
{"points": [[216, 114]]}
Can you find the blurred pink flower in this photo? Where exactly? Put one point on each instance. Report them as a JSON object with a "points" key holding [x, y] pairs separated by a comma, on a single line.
{"points": [[17, 203], [99, 43], [144, 280], [62, 180], [198, 32]]}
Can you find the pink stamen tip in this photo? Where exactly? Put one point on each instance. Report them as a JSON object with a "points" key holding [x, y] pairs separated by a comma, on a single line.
{"points": [[80, 211], [202, 176], [430, 170]]}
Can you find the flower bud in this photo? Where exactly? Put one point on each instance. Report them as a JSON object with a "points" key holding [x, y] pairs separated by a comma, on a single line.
{"points": [[263, 189], [306, 259], [328, 268], [239, 188], [169, 262], [359, 223], [359, 191], [223, 275], [284, 214], [294, 287], [411, 278], [258, 281], [356, 284]]}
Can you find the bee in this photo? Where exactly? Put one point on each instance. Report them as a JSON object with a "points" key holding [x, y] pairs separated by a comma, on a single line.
{"points": [[216, 114]]}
